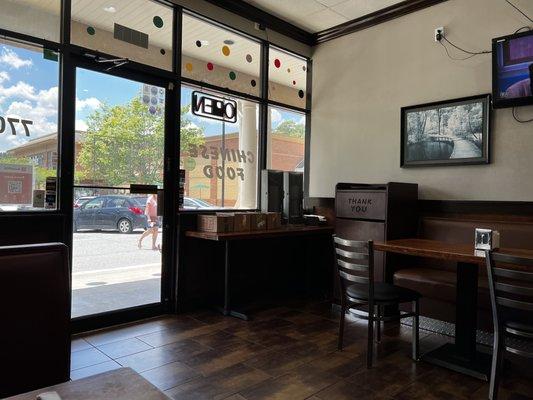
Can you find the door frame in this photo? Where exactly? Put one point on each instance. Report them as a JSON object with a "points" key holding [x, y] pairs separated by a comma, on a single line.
{"points": [[170, 182]]}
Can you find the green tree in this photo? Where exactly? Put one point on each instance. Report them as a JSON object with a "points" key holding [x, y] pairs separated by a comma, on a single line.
{"points": [[290, 128], [125, 144]]}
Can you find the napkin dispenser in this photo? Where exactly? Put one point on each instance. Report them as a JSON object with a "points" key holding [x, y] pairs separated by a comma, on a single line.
{"points": [[487, 239]]}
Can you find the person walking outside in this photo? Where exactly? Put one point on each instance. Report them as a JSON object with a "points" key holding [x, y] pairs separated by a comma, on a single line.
{"points": [[153, 221]]}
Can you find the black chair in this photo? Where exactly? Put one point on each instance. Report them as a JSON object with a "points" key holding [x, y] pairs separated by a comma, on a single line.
{"points": [[511, 295], [355, 268]]}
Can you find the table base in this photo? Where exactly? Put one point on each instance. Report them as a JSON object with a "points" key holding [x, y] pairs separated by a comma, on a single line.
{"points": [[447, 356]]}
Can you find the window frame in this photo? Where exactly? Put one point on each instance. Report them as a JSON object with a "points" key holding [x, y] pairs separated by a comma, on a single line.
{"points": [[67, 52]]}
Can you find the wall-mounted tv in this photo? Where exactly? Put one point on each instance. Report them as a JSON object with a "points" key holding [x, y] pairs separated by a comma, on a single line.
{"points": [[512, 70]]}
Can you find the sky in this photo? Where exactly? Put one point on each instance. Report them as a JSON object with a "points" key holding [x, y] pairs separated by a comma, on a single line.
{"points": [[29, 90]]}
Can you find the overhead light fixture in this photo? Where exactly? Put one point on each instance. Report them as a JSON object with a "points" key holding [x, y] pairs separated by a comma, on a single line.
{"points": [[229, 42], [110, 9]]}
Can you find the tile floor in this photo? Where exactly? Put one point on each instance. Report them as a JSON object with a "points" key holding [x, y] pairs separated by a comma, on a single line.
{"points": [[285, 352]]}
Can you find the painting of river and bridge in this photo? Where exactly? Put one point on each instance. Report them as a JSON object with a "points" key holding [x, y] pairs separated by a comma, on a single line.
{"points": [[451, 132]]}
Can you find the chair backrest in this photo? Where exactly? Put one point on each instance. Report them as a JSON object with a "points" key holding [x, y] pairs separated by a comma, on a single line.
{"points": [[355, 264], [34, 316], [511, 289]]}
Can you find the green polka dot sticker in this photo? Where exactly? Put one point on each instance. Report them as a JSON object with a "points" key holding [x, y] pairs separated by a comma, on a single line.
{"points": [[232, 75], [158, 21], [90, 30]]}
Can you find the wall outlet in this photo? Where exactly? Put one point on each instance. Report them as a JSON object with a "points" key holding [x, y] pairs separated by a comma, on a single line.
{"points": [[439, 33]]}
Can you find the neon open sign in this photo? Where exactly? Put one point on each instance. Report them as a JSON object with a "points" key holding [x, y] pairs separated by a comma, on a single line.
{"points": [[214, 107]]}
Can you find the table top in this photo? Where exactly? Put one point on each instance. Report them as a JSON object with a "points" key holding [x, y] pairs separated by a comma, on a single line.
{"points": [[442, 250], [119, 384], [285, 230]]}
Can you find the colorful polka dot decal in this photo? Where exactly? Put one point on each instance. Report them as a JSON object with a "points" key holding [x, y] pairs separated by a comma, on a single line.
{"points": [[158, 21], [90, 30], [188, 67], [210, 66], [232, 75], [249, 58], [277, 63], [225, 50], [289, 70]]}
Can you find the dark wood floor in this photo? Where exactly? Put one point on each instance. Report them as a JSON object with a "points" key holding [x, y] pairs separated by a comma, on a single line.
{"points": [[286, 352]]}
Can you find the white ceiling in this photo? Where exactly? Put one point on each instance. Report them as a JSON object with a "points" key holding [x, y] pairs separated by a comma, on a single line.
{"points": [[317, 15]]}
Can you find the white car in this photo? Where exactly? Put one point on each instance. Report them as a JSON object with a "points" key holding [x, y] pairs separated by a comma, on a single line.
{"points": [[195, 204]]}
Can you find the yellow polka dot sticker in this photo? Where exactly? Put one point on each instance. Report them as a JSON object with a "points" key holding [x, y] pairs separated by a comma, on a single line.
{"points": [[188, 67], [225, 50]]}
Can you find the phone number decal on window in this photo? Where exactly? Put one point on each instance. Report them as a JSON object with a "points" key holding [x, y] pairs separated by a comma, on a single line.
{"points": [[11, 122]]}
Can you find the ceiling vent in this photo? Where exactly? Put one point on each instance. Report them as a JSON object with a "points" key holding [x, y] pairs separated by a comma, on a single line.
{"points": [[131, 36]]}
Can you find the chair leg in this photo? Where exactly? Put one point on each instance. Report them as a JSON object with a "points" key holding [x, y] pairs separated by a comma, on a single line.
{"points": [[415, 330], [370, 344], [496, 368], [341, 324], [378, 323]]}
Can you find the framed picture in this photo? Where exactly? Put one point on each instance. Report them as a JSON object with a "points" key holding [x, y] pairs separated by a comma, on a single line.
{"points": [[452, 132]]}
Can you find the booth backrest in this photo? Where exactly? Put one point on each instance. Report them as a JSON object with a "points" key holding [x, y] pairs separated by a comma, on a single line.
{"points": [[34, 317], [513, 234]]}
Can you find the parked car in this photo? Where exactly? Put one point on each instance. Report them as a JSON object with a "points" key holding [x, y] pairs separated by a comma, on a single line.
{"points": [[117, 212], [190, 203], [82, 200]]}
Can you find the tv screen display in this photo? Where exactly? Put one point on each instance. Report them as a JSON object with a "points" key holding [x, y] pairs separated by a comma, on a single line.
{"points": [[513, 70]]}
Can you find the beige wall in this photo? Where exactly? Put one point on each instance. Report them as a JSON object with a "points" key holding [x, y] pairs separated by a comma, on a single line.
{"points": [[361, 81]]}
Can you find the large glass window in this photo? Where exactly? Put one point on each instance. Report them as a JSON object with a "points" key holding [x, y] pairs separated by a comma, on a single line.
{"points": [[140, 30], [220, 157], [287, 74], [219, 56], [38, 18], [29, 79], [286, 140]]}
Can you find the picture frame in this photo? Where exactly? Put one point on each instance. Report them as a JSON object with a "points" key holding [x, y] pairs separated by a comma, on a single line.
{"points": [[450, 132]]}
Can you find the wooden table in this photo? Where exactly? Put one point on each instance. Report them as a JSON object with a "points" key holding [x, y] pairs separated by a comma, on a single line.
{"points": [[461, 356], [285, 231], [119, 384]]}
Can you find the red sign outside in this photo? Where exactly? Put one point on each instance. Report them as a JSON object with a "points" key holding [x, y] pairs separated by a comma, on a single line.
{"points": [[16, 184]]}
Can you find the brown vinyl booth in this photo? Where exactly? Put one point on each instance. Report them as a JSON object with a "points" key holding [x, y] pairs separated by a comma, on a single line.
{"points": [[436, 279], [34, 316]]}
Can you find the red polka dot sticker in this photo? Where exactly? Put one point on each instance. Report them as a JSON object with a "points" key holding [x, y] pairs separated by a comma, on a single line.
{"points": [[210, 66], [277, 63]]}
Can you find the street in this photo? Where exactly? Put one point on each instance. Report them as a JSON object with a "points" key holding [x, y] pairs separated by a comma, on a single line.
{"points": [[110, 272]]}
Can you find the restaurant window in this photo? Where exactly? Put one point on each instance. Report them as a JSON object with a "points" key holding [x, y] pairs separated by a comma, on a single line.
{"points": [[139, 30], [29, 80], [287, 74], [219, 156], [286, 140], [37, 18], [220, 56]]}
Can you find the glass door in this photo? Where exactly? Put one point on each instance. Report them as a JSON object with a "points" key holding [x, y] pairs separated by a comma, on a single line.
{"points": [[117, 235]]}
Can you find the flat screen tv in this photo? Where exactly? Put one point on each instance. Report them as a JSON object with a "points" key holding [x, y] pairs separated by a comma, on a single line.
{"points": [[512, 70]]}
